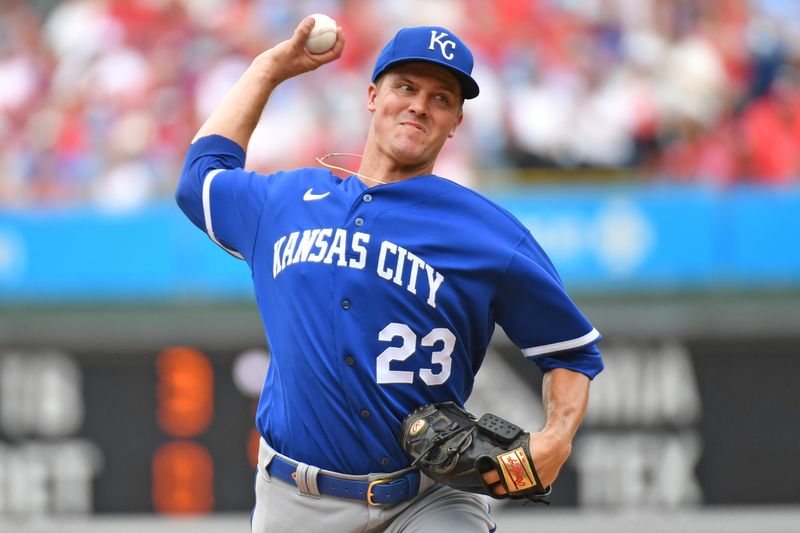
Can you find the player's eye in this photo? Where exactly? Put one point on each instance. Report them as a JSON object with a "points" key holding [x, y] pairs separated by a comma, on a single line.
{"points": [[445, 99]]}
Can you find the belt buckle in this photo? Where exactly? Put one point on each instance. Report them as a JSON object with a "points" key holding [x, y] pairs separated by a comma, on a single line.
{"points": [[369, 490]]}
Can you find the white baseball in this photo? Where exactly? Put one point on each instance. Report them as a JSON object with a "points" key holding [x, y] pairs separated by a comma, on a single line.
{"points": [[323, 35]]}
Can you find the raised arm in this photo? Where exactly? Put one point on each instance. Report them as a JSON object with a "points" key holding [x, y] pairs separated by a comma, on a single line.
{"points": [[237, 115], [226, 133]]}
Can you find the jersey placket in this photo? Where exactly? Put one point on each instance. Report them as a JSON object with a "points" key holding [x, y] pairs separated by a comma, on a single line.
{"points": [[353, 300]]}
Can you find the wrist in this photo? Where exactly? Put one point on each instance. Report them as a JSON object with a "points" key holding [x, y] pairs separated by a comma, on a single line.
{"points": [[558, 442], [267, 71]]}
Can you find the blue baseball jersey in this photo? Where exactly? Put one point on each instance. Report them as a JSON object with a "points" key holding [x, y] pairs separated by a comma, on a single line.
{"points": [[376, 300]]}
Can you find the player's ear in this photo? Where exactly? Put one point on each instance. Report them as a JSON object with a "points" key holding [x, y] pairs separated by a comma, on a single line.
{"points": [[458, 122], [372, 94]]}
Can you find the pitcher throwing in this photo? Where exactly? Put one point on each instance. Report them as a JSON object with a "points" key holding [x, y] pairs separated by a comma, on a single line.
{"points": [[379, 294]]}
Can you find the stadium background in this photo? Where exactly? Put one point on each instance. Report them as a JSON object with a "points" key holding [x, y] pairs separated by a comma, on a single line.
{"points": [[651, 146]]}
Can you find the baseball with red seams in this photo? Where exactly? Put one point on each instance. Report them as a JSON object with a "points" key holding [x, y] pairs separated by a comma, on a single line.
{"points": [[323, 35]]}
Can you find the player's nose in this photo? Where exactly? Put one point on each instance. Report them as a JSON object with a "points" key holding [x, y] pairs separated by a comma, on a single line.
{"points": [[418, 105]]}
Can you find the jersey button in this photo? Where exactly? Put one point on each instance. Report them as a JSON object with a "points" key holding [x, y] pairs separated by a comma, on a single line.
{"points": [[349, 360], [345, 304], [359, 222], [364, 413], [368, 197]]}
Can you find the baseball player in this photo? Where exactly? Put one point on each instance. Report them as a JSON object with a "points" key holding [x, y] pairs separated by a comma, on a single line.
{"points": [[379, 294]]}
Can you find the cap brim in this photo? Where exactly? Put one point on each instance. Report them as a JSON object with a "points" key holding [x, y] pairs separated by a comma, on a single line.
{"points": [[469, 87]]}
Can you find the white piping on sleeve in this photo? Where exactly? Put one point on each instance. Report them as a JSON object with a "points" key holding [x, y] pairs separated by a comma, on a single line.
{"points": [[590, 337], [207, 211]]}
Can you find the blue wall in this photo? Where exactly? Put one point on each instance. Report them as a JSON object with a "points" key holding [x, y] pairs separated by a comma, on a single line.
{"points": [[667, 237], [603, 239]]}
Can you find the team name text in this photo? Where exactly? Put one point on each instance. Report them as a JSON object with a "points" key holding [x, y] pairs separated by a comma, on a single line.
{"points": [[335, 247]]}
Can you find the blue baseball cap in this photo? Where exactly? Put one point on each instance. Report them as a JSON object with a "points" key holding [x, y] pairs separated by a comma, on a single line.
{"points": [[432, 44]]}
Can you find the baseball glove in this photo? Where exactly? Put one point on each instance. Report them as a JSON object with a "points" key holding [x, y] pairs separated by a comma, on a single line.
{"points": [[452, 447]]}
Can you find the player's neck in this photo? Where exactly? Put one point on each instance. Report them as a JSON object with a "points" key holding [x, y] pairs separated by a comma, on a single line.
{"points": [[383, 168]]}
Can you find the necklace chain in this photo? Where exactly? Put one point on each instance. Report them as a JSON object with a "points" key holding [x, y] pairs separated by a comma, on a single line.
{"points": [[321, 161]]}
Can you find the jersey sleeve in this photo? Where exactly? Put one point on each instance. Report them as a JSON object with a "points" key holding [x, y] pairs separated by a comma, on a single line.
{"points": [[538, 316], [219, 196]]}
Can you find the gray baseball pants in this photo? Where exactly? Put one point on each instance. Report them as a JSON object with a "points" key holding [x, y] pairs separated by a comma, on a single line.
{"points": [[281, 507]]}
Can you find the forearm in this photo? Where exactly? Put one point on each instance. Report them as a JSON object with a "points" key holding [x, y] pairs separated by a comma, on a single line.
{"points": [[238, 114], [565, 395]]}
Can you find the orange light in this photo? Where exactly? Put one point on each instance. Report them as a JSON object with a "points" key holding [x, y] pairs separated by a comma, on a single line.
{"points": [[185, 391], [253, 441], [183, 479]]}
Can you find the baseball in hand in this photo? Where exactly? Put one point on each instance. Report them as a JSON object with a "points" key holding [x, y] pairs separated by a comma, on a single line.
{"points": [[323, 35]]}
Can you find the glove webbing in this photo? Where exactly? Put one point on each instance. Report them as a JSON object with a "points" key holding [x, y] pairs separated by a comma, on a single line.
{"points": [[438, 441]]}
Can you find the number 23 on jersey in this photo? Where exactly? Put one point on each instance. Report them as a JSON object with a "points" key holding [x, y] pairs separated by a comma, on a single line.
{"points": [[446, 342]]}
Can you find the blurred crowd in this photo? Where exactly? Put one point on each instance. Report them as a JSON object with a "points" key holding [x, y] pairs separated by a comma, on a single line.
{"points": [[100, 98]]}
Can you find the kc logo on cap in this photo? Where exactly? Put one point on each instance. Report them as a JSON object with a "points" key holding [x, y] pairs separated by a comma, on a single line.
{"points": [[436, 38], [432, 44]]}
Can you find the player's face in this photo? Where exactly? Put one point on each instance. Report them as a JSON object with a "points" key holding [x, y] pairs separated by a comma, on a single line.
{"points": [[416, 108]]}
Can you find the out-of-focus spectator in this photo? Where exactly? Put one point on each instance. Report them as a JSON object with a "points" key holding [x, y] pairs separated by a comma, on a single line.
{"points": [[771, 134], [100, 97]]}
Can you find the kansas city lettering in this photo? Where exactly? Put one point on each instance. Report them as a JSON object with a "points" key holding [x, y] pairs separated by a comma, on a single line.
{"points": [[319, 246], [335, 247], [397, 264]]}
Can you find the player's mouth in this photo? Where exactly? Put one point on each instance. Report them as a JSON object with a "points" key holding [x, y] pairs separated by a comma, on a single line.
{"points": [[413, 124]]}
